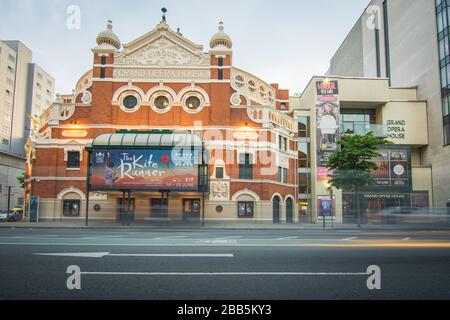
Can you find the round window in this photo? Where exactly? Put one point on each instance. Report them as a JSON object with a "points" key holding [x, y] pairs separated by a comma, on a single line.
{"points": [[239, 81], [162, 102], [193, 103], [97, 208], [219, 209], [252, 86], [130, 102]]}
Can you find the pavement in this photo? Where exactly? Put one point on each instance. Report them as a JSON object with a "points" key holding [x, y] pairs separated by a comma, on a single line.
{"points": [[206, 264]]}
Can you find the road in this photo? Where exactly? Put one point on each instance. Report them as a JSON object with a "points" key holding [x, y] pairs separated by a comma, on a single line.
{"points": [[219, 264]]}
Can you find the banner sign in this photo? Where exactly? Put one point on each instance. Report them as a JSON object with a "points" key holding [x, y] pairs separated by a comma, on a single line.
{"points": [[326, 207], [327, 125], [33, 211], [145, 170], [393, 168]]}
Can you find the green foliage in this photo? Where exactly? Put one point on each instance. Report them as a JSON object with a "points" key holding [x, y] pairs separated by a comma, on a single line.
{"points": [[21, 180], [352, 166]]}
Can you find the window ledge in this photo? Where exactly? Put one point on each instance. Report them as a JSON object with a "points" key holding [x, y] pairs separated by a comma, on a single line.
{"points": [[73, 169]]}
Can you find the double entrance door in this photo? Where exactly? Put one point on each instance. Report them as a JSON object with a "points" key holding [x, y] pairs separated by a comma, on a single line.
{"points": [[159, 207]]}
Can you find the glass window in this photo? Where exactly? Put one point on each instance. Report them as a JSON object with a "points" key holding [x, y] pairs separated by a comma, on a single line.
{"points": [[219, 173], [303, 155], [282, 143], [220, 60], [73, 159], [245, 166], [191, 206], [304, 183], [130, 102], [246, 209], [447, 134], [220, 74], [162, 102], [103, 60], [193, 103], [102, 73], [282, 175], [303, 127], [71, 208]]}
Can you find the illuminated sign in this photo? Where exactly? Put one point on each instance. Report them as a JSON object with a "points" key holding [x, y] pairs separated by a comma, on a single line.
{"points": [[146, 170]]}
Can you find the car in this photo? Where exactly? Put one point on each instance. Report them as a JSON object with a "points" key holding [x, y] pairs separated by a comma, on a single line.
{"points": [[11, 215]]}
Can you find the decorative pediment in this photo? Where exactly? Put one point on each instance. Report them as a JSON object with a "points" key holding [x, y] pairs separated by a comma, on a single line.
{"points": [[162, 48]]}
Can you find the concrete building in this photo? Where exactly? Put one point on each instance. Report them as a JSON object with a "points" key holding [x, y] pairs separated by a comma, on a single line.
{"points": [[362, 105], [407, 42], [22, 92]]}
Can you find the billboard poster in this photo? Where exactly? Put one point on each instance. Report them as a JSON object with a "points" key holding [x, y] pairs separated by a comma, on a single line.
{"points": [[143, 169], [326, 207], [33, 211], [327, 124], [393, 168]]}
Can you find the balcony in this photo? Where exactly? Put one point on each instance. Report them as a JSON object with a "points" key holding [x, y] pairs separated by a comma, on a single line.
{"points": [[378, 130]]}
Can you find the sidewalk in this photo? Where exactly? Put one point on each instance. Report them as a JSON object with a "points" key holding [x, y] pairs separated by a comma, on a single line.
{"points": [[235, 225]]}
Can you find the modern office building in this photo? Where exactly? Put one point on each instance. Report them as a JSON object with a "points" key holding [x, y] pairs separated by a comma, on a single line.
{"points": [[22, 93], [131, 137], [407, 42], [330, 107]]}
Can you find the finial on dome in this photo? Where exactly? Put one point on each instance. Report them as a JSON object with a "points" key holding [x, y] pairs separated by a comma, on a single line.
{"points": [[221, 39], [110, 25]]}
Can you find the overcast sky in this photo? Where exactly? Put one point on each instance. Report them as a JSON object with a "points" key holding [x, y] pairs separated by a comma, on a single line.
{"points": [[283, 41]]}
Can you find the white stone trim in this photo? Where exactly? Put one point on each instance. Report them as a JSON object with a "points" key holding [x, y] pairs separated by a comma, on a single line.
{"points": [[245, 192], [71, 190], [277, 195]]}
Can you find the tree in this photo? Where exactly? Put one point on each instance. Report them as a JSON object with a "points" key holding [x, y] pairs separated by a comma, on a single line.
{"points": [[21, 180], [352, 166]]}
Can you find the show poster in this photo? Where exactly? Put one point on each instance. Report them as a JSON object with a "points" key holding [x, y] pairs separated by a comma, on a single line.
{"points": [[326, 207], [392, 169], [146, 170], [328, 124]]}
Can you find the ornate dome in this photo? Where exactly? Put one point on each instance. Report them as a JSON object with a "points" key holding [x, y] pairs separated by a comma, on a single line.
{"points": [[221, 39], [109, 37]]}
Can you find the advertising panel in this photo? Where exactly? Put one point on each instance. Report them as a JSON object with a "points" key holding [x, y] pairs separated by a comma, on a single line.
{"points": [[327, 124], [146, 170], [326, 207], [393, 168]]}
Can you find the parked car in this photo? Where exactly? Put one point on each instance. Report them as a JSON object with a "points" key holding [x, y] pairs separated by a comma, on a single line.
{"points": [[11, 215]]}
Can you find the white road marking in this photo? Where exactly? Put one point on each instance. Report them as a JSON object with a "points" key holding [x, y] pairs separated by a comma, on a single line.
{"points": [[163, 255], [169, 238], [350, 239], [406, 239], [226, 238], [287, 238], [228, 273]]}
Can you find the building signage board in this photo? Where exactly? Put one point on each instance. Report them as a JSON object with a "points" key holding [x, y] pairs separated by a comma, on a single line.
{"points": [[145, 170], [33, 211], [327, 124], [393, 168], [326, 207]]}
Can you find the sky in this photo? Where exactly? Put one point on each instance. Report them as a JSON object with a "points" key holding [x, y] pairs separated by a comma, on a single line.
{"points": [[280, 41]]}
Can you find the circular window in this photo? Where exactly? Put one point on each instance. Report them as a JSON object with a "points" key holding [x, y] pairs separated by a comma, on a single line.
{"points": [[130, 102], [239, 81], [97, 208], [162, 102], [193, 103], [251, 86], [262, 91], [219, 209]]}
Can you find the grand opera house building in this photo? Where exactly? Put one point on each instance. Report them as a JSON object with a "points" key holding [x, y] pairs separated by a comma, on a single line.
{"points": [[162, 129]]}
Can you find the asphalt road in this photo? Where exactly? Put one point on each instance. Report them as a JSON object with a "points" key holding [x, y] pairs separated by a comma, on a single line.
{"points": [[215, 264]]}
